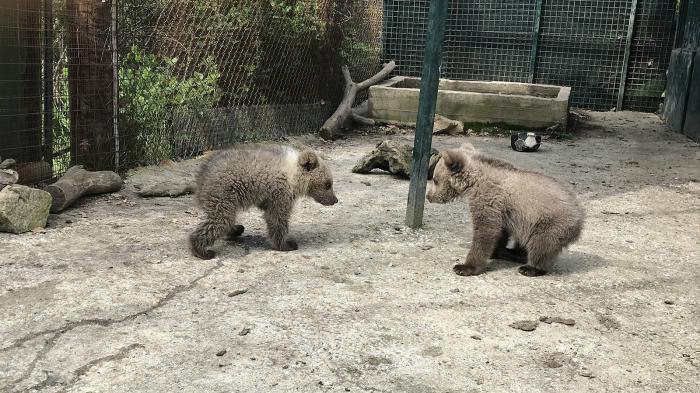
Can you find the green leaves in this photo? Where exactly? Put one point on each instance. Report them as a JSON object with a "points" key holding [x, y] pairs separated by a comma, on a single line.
{"points": [[151, 90]]}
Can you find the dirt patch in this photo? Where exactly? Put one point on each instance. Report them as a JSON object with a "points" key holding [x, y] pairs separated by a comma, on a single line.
{"points": [[609, 321], [524, 325]]}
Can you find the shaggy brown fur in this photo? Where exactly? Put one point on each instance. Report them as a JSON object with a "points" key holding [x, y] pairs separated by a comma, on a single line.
{"points": [[537, 212], [268, 177]]}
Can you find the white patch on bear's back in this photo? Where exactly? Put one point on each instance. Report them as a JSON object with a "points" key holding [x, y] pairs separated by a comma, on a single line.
{"points": [[290, 163]]}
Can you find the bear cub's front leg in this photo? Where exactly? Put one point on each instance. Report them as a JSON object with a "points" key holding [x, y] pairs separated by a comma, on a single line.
{"points": [[277, 219], [486, 237]]}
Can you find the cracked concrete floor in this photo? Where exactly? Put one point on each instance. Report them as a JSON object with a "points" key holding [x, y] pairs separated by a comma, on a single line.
{"points": [[109, 299]]}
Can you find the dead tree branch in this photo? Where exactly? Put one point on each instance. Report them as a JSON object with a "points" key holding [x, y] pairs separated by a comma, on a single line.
{"points": [[343, 115]]}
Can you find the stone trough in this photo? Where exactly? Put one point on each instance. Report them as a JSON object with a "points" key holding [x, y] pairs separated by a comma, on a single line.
{"points": [[505, 104]]}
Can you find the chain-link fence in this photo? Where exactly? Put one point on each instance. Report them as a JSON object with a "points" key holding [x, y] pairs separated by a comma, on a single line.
{"points": [[118, 83], [201, 74], [589, 45], [56, 85]]}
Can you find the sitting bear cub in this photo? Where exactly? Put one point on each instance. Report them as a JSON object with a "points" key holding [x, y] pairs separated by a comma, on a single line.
{"points": [[533, 210], [268, 177]]}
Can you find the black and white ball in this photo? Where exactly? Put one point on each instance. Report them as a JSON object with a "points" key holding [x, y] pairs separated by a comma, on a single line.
{"points": [[525, 141]]}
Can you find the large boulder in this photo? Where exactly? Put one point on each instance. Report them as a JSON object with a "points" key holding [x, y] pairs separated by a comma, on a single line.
{"points": [[23, 208], [169, 179]]}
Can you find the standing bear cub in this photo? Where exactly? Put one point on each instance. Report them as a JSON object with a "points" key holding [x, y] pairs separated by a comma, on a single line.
{"points": [[268, 177], [533, 210]]}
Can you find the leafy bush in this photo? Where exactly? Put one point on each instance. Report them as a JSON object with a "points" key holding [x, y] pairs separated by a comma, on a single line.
{"points": [[151, 95]]}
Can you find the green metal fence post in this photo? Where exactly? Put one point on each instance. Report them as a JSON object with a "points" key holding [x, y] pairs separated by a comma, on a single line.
{"points": [[430, 79], [535, 41], [626, 60]]}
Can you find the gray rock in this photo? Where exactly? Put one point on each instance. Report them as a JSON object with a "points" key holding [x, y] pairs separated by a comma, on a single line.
{"points": [[244, 331], [169, 189], [170, 179], [8, 177], [23, 208], [563, 321], [393, 157], [445, 126], [524, 325], [555, 359], [7, 163]]}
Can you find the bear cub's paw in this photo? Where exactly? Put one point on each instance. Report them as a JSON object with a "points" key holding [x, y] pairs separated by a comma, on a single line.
{"points": [[289, 245], [468, 270], [206, 254], [531, 271]]}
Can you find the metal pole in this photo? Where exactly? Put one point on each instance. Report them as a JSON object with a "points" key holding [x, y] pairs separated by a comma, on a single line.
{"points": [[535, 41], [48, 81], [626, 60], [115, 85], [430, 79]]}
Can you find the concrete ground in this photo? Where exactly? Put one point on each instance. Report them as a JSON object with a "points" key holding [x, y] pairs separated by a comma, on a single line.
{"points": [[109, 299]]}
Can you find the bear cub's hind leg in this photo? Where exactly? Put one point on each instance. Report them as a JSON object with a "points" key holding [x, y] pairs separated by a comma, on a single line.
{"points": [[207, 232], [542, 250], [516, 254]]}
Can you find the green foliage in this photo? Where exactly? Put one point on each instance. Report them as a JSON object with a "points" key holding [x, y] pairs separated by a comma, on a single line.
{"points": [[296, 20], [151, 94], [290, 34], [61, 121], [359, 55], [264, 49]]}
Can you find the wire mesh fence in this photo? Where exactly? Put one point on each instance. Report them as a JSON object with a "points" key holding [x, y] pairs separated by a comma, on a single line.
{"points": [[649, 54], [576, 43], [57, 85], [118, 83], [196, 75]]}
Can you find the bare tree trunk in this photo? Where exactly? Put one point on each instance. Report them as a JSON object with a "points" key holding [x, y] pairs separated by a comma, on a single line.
{"points": [[344, 115], [20, 74], [90, 81]]}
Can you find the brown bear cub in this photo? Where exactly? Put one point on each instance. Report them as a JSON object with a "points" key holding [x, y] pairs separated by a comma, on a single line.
{"points": [[268, 177], [536, 212]]}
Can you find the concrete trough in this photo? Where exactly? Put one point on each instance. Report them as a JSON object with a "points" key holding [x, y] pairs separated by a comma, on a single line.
{"points": [[505, 104]]}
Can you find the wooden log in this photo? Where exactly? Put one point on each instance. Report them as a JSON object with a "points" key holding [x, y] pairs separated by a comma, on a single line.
{"points": [[343, 115], [365, 121], [32, 172], [340, 117], [78, 182]]}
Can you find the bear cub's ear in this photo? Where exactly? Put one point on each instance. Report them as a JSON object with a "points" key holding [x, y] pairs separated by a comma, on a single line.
{"points": [[308, 160], [455, 160]]}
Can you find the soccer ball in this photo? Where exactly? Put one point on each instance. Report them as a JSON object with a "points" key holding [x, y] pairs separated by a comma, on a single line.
{"points": [[525, 141]]}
